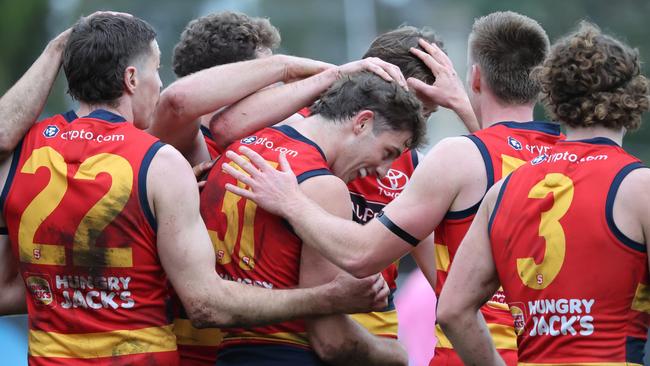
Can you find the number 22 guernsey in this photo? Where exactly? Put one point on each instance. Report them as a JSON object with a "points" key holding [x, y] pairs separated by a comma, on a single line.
{"points": [[81, 228]]}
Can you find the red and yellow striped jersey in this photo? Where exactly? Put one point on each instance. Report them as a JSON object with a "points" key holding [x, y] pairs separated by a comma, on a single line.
{"points": [[578, 284], [253, 246], [504, 147], [369, 197], [83, 232]]}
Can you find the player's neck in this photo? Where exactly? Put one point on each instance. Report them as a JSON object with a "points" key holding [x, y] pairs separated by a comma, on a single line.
{"points": [[492, 111], [121, 110], [583, 133], [325, 134], [517, 113]]}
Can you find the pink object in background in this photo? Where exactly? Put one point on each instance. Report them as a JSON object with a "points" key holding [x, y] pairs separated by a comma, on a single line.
{"points": [[416, 313]]}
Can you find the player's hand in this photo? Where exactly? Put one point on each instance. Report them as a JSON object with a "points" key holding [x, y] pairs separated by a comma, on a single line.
{"points": [[448, 90], [274, 190], [59, 42], [297, 68], [385, 70], [351, 295], [201, 171]]}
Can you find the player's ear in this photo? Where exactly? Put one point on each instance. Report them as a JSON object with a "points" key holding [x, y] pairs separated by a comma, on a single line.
{"points": [[130, 79], [363, 121], [475, 78]]}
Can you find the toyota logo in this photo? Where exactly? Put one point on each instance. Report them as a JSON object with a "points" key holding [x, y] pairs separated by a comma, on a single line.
{"points": [[394, 180]]}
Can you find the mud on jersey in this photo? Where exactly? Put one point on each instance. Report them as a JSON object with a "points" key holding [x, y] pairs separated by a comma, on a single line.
{"points": [[83, 233]]}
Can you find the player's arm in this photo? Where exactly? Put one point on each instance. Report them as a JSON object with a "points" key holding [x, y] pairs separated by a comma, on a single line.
{"points": [[448, 90], [425, 257], [176, 119], [472, 281], [631, 209], [21, 105], [12, 288], [360, 249], [337, 339], [188, 258], [273, 105]]}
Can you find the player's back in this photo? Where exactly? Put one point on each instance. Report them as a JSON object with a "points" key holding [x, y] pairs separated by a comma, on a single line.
{"points": [[503, 147], [260, 249], [574, 280], [76, 208], [369, 197]]}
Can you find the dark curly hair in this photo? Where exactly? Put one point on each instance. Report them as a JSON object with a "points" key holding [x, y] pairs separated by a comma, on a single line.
{"points": [[507, 46], [395, 108], [222, 38], [99, 50], [394, 46], [591, 78]]}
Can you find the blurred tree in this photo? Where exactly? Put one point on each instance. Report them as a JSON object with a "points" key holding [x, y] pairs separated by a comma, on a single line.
{"points": [[22, 31]]}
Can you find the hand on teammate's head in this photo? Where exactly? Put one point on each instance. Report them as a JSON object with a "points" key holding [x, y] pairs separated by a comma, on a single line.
{"points": [[385, 70], [447, 90]]}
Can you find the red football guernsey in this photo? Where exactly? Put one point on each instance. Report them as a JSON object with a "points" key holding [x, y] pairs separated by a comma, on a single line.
{"points": [[369, 197], [573, 279], [504, 147], [253, 246], [82, 230]]}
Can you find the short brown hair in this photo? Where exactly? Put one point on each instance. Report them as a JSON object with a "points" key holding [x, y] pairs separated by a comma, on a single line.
{"points": [[507, 46], [394, 46], [395, 108], [98, 51], [222, 38], [591, 78]]}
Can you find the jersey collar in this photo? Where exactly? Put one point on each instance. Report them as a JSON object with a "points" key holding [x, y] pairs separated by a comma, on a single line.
{"points": [[96, 114], [541, 126], [595, 141]]}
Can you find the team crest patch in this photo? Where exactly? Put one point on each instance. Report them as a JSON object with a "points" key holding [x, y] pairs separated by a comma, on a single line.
{"points": [[40, 289], [514, 143], [248, 140], [539, 159], [50, 131], [518, 317]]}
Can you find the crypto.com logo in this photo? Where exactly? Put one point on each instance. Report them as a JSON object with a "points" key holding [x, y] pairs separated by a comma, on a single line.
{"points": [[394, 180]]}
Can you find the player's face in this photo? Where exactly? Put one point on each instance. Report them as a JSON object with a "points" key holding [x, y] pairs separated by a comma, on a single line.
{"points": [[148, 91], [370, 154]]}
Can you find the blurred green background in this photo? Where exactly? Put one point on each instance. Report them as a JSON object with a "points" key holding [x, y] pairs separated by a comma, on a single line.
{"points": [[334, 30]]}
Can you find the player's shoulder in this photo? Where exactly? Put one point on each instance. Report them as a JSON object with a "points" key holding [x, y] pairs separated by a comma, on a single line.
{"points": [[455, 154], [634, 186], [168, 156], [326, 184], [165, 160]]}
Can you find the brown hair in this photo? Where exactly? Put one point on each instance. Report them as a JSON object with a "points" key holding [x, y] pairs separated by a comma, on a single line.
{"points": [[591, 79], [395, 108], [99, 50], [394, 46], [222, 38], [507, 46]]}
